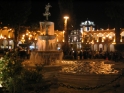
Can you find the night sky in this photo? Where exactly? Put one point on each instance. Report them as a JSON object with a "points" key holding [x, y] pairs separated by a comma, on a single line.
{"points": [[93, 10]]}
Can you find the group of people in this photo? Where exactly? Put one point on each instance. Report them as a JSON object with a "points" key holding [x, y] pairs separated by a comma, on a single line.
{"points": [[86, 54]]}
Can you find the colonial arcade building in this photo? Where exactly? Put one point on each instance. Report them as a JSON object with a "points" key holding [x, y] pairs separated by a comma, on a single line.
{"points": [[99, 40], [6, 38], [96, 39]]}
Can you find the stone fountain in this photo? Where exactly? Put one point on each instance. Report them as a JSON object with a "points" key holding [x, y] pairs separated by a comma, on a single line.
{"points": [[47, 52]]}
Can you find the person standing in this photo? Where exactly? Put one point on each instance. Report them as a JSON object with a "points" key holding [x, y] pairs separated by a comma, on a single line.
{"points": [[28, 53], [81, 54]]}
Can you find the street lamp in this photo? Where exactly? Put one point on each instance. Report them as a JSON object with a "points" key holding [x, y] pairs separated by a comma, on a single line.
{"points": [[65, 22], [65, 28]]}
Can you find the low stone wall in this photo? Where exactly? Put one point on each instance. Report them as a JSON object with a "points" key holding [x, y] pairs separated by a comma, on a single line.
{"points": [[86, 80]]}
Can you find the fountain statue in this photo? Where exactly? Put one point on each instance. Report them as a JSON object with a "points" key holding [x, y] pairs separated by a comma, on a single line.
{"points": [[47, 52]]}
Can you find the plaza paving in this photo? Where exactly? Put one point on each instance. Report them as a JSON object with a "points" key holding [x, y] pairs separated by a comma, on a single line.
{"points": [[75, 83], [88, 83]]}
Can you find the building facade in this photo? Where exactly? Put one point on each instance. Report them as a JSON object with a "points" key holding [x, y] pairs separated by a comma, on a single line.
{"points": [[6, 38], [87, 37], [98, 40]]}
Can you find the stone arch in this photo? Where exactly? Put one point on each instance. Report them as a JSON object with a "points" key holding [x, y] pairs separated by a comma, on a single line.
{"points": [[95, 47], [105, 47], [100, 47], [11, 43], [5, 43], [122, 33], [111, 47]]}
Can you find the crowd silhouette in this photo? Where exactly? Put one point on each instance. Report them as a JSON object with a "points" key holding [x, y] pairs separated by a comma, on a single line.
{"points": [[87, 54]]}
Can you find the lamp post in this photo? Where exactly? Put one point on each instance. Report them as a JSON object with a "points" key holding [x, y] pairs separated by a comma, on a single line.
{"points": [[65, 29], [65, 44]]}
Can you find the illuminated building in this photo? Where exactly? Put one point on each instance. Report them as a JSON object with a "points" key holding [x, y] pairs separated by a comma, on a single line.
{"points": [[99, 40], [60, 38], [28, 39], [6, 38], [75, 39]]}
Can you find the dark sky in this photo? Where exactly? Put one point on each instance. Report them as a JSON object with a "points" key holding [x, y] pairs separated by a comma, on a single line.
{"points": [[93, 10], [38, 8]]}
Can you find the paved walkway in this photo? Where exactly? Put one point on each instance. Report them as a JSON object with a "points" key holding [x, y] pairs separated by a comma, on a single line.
{"points": [[116, 87]]}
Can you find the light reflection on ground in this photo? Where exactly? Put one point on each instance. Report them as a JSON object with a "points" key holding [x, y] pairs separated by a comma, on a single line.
{"points": [[89, 67]]}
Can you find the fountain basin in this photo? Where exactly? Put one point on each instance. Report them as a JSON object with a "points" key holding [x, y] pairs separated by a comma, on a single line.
{"points": [[46, 57]]}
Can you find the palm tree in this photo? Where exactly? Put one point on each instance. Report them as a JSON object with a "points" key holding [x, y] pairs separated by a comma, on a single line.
{"points": [[115, 10]]}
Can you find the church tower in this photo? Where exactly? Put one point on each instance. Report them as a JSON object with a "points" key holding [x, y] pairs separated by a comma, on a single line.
{"points": [[87, 26]]}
